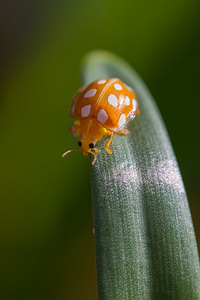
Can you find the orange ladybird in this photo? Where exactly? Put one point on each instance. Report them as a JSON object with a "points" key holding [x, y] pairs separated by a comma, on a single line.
{"points": [[103, 107]]}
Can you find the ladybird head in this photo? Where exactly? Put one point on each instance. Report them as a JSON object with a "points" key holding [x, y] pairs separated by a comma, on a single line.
{"points": [[87, 132], [86, 145]]}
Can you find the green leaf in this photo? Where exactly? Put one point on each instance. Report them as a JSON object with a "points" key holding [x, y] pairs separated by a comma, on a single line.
{"points": [[145, 241]]}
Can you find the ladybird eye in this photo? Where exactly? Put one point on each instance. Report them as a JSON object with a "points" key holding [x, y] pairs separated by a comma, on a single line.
{"points": [[79, 143], [91, 145]]}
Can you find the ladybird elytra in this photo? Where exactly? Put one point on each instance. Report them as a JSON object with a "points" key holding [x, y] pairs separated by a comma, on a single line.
{"points": [[104, 107]]}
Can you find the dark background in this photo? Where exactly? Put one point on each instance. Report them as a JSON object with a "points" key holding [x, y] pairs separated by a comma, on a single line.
{"points": [[46, 240]]}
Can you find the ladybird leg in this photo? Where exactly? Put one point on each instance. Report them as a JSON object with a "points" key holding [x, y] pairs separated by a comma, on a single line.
{"points": [[95, 157], [124, 131], [121, 131], [109, 142]]}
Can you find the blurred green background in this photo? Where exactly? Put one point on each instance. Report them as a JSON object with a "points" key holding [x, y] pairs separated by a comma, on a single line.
{"points": [[47, 244]]}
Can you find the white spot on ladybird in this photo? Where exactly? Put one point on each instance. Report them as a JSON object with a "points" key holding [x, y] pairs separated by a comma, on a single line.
{"points": [[127, 101], [85, 110], [122, 120], [102, 116], [118, 86], [90, 93], [112, 100], [134, 103], [101, 81]]}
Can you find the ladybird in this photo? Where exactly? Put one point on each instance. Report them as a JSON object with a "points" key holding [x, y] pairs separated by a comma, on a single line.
{"points": [[104, 107]]}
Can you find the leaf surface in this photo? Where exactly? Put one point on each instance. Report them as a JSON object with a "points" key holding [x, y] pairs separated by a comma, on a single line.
{"points": [[144, 236]]}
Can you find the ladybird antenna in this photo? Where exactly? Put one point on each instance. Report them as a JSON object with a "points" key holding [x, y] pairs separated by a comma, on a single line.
{"points": [[70, 151]]}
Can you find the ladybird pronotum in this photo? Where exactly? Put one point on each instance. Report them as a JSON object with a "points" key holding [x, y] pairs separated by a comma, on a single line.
{"points": [[103, 107]]}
